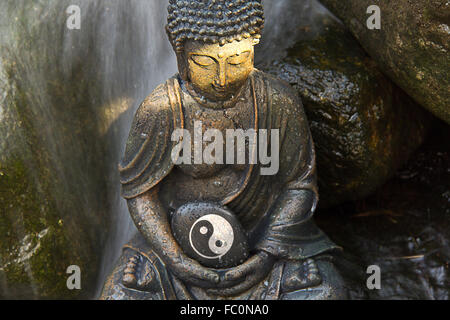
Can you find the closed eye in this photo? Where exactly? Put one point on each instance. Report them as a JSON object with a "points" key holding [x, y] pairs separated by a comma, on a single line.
{"points": [[203, 61], [239, 58]]}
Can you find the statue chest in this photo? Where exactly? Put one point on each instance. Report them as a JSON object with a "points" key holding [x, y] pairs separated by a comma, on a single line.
{"points": [[208, 177], [209, 143]]}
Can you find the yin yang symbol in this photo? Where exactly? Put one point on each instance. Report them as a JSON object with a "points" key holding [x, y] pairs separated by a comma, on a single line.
{"points": [[211, 236]]}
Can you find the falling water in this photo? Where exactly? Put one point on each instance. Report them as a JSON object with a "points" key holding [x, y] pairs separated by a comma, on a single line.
{"points": [[78, 90], [134, 56], [127, 41]]}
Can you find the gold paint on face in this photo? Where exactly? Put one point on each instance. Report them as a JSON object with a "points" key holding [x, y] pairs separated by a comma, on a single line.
{"points": [[218, 72]]}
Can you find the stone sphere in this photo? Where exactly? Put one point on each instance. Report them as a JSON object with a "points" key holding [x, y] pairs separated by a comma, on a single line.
{"points": [[211, 235]]}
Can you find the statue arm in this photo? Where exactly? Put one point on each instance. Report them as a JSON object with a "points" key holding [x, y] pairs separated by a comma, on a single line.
{"points": [[288, 231], [281, 234], [147, 161], [152, 221]]}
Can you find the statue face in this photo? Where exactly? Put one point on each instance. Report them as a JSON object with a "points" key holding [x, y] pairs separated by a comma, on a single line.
{"points": [[218, 72]]}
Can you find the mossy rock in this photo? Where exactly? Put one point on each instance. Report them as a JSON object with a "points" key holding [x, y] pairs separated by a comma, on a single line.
{"points": [[364, 127], [412, 47], [66, 103], [53, 201]]}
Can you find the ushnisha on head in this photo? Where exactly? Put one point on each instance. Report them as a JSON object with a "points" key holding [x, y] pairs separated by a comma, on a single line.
{"points": [[214, 41]]}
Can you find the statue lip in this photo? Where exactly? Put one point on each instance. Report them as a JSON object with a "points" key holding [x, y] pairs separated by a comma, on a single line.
{"points": [[219, 89]]}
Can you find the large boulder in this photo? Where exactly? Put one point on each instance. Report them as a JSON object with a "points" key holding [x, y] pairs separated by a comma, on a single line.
{"points": [[412, 47], [53, 208], [66, 103], [403, 228], [364, 127]]}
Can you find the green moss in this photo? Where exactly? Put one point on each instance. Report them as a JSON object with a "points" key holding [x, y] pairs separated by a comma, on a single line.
{"points": [[52, 163], [34, 249]]}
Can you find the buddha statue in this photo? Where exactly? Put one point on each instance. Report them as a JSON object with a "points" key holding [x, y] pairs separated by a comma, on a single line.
{"points": [[221, 229]]}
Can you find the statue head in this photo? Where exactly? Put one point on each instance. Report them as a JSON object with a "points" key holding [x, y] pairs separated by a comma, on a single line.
{"points": [[214, 41]]}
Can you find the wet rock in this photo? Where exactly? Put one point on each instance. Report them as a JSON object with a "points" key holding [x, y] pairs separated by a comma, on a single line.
{"points": [[53, 156], [402, 228], [412, 47], [364, 127], [67, 100]]}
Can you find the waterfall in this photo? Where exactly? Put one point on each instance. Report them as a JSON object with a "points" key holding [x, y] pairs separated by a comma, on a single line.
{"points": [[134, 56], [76, 91]]}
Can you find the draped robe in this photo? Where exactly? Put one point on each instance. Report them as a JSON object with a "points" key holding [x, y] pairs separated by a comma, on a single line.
{"points": [[261, 203]]}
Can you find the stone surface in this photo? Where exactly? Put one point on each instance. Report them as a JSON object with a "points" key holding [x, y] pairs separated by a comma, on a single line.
{"points": [[62, 109], [67, 99], [412, 47], [211, 235], [52, 197], [364, 127], [403, 228]]}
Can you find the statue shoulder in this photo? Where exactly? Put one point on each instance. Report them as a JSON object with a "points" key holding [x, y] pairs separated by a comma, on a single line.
{"points": [[159, 111], [147, 158], [281, 92], [157, 103]]}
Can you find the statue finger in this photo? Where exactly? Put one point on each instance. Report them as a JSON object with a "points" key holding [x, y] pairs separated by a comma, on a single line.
{"points": [[191, 271], [202, 273], [246, 285], [240, 271]]}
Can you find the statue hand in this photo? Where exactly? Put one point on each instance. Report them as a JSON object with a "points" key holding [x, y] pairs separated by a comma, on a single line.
{"points": [[242, 278], [193, 273]]}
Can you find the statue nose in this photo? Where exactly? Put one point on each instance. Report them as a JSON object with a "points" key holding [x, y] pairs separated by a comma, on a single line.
{"points": [[221, 80], [218, 83]]}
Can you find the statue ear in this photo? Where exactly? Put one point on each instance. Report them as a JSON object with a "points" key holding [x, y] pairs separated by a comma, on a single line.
{"points": [[182, 65]]}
